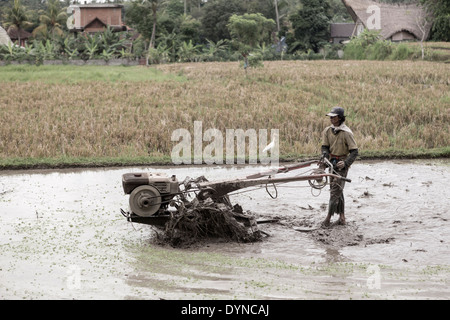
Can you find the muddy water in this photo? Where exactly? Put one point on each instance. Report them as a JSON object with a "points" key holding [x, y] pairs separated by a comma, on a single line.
{"points": [[62, 237]]}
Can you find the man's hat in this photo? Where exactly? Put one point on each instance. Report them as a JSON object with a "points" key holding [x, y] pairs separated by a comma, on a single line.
{"points": [[336, 111]]}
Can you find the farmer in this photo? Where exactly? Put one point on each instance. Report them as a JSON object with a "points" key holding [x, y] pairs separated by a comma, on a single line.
{"points": [[339, 146]]}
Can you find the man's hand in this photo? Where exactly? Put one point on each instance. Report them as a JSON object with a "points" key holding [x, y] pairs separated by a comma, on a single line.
{"points": [[341, 165]]}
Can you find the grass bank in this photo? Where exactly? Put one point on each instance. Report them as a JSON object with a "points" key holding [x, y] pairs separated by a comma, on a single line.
{"points": [[61, 116], [68, 75]]}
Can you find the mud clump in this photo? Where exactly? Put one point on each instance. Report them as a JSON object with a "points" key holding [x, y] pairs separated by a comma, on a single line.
{"points": [[207, 218], [200, 221], [345, 235], [338, 235]]}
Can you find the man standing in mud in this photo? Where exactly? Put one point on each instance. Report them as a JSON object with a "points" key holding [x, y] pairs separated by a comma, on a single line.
{"points": [[339, 146]]}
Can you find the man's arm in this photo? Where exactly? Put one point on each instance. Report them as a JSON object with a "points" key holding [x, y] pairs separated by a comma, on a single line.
{"points": [[351, 157], [353, 149], [326, 152], [325, 144]]}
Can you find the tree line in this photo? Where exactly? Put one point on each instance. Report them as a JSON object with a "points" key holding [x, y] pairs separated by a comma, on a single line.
{"points": [[195, 30]]}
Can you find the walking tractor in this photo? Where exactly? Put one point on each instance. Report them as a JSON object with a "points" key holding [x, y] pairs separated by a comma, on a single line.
{"points": [[199, 208]]}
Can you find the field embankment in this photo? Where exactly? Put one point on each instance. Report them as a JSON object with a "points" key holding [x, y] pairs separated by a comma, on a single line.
{"points": [[90, 116]]}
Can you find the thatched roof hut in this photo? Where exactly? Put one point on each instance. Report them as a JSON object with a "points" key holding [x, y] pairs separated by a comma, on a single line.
{"points": [[4, 38], [394, 21], [340, 32], [15, 35]]}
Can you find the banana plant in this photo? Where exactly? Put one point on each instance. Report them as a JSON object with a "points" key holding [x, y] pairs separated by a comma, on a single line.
{"points": [[29, 52], [49, 50], [44, 51], [263, 49], [160, 54], [107, 54], [110, 40], [187, 52], [91, 46], [213, 50], [69, 48], [71, 53], [12, 52], [126, 53]]}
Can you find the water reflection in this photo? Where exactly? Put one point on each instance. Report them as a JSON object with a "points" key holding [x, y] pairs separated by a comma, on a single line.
{"points": [[333, 255]]}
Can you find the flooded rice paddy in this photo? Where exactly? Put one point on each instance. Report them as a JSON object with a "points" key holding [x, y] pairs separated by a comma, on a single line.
{"points": [[62, 237]]}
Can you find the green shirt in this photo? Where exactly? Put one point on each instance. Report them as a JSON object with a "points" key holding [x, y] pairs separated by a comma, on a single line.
{"points": [[340, 143]]}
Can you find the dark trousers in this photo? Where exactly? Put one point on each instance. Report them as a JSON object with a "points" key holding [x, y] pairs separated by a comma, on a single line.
{"points": [[337, 202]]}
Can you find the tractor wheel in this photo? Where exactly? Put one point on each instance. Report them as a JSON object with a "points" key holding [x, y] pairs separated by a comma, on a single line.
{"points": [[145, 200]]}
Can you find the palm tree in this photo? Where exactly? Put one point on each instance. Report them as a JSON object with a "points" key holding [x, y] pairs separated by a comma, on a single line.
{"points": [[52, 20], [277, 16], [282, 9], [154, 5], [17, 18]]}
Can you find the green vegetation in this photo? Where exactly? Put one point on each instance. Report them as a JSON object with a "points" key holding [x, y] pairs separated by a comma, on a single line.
{"points": [[247, 32], [440, 9], [369, 46], [199, 31], [311, 26], [169, 30], [78, 74], [104, 45]]}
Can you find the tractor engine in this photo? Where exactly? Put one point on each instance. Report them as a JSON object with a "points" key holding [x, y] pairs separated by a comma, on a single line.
{"points": [[150, 193]]}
